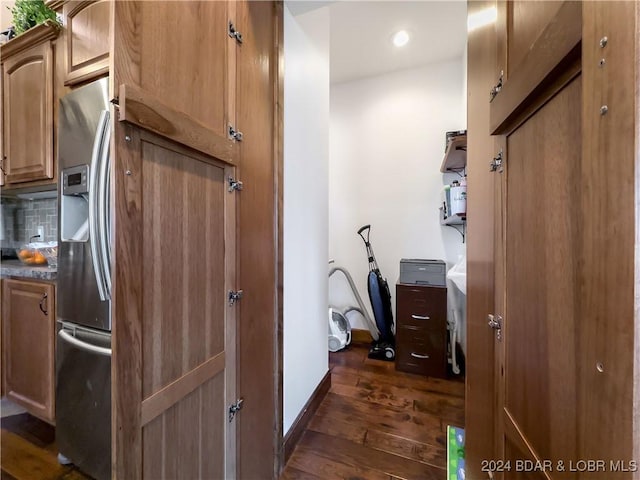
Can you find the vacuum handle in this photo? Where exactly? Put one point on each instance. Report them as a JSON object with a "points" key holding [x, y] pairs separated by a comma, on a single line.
{"points": [[366, 228], [363, 228]]}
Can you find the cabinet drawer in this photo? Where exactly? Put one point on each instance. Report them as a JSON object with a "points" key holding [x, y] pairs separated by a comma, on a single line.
{"points": [[424, 343], [433, 322], [421, 306], [411, 334], [426, 357]]}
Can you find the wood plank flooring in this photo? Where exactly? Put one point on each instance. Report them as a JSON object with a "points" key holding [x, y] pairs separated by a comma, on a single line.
{"points": [[374, 424], [28, 451], [378, 424]]}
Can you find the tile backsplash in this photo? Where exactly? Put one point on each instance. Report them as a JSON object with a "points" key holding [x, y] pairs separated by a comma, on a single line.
{"points": [[21, 219]]}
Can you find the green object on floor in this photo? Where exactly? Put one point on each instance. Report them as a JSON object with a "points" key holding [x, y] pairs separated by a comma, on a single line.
{"points": [[455, 453]]}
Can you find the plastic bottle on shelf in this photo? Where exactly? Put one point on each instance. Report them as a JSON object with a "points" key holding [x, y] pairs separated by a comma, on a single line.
{"points": [[459, 198], [446, 200]]}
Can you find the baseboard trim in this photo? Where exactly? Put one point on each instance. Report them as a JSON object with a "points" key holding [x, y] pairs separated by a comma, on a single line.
{"points": [[361, 337], [292, 437]]}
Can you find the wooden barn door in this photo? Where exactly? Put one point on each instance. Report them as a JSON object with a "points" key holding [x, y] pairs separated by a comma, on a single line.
{"points": [[175, 285], [187, 324]]}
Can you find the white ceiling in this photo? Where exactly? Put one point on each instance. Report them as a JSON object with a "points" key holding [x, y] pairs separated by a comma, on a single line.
{"points": [[361, 34]]}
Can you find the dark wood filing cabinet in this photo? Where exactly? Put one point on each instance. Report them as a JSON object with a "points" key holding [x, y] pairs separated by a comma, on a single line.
{"points": [[421, 330]]}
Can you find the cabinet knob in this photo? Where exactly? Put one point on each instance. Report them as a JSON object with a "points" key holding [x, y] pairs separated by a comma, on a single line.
{"points": [[42, 300]]}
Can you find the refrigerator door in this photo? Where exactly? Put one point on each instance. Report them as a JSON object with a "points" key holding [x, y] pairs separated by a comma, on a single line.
{"points": [[83, 259], [83, 399]]}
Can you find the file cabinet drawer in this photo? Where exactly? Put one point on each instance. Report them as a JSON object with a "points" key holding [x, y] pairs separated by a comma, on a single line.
{"points": [[423, 307]]}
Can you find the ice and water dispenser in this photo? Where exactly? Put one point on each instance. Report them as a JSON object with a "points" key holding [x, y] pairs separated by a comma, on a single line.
{"points": [[74, 209]]}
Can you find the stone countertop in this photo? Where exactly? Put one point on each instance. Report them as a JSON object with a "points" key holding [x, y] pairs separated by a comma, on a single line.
{"points": [[17, 269]]}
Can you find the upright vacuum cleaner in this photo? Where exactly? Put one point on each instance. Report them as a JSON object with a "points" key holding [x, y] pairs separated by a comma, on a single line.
{"points": [[384, 347]]}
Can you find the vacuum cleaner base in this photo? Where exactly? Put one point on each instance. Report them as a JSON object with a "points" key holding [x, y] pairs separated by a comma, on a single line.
{"points": [[382, 351]]}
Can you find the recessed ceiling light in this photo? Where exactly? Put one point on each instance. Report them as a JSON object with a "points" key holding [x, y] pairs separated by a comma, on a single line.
{"points": [[401, 38]]}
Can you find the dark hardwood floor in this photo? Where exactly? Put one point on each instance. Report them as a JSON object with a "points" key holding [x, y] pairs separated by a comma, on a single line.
{"points": [[28, 451], [377, 423]]}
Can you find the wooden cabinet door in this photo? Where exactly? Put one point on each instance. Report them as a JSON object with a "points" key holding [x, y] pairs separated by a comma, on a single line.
{"points": [[565, 359], [480, 411], [537, 114], [2, 367], [87, 55], [28, 115], [174, 74], [175, 349], [194, 76], [28, 316], [2, 154]]}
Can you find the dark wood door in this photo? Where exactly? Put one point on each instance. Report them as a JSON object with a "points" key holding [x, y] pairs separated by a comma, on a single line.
{"points": [[537, 113], [28, 115], [28, 317], [259, 115], [559, 115], [480, 395]]}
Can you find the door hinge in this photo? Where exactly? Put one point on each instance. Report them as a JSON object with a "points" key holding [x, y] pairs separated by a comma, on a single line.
{"points": [[233, 33], [496, 163], [496, 88], [234, 296], [495, 322], [235, 134], [235, 408], [4, 159], [234, 184]]}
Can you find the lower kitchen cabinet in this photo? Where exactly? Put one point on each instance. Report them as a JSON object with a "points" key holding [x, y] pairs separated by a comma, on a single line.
{"points": [[421, 330], [28, 344]]}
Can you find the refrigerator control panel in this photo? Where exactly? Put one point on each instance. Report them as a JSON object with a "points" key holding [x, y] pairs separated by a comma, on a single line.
{"points": [[74, 180]]}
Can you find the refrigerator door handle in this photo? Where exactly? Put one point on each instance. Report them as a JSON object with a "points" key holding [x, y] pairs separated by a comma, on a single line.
{"points": [[94, 236], [103, 208], [83, 345]]}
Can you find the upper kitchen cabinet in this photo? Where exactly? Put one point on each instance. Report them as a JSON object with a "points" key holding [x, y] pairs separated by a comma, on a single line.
{"points": [[27, 98], [87, 29]]}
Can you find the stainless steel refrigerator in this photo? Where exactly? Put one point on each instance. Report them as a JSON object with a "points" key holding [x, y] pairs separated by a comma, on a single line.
{"points": [[83, 356]]}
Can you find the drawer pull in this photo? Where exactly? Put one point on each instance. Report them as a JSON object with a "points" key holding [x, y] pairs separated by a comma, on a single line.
{"points": [[417, 355], [419, 317]]}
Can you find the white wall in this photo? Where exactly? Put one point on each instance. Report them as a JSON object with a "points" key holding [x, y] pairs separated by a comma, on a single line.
{"points": [[6, 18], [465, 58], [306, 157], [387, 143]]}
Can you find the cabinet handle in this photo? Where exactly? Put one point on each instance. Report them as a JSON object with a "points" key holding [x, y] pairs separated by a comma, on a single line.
{"points": [[417, 355], [42, 309], [420, 317]]}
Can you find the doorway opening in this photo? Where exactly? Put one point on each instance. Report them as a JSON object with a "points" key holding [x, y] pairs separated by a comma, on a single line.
{"points": [[371, 91]]}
